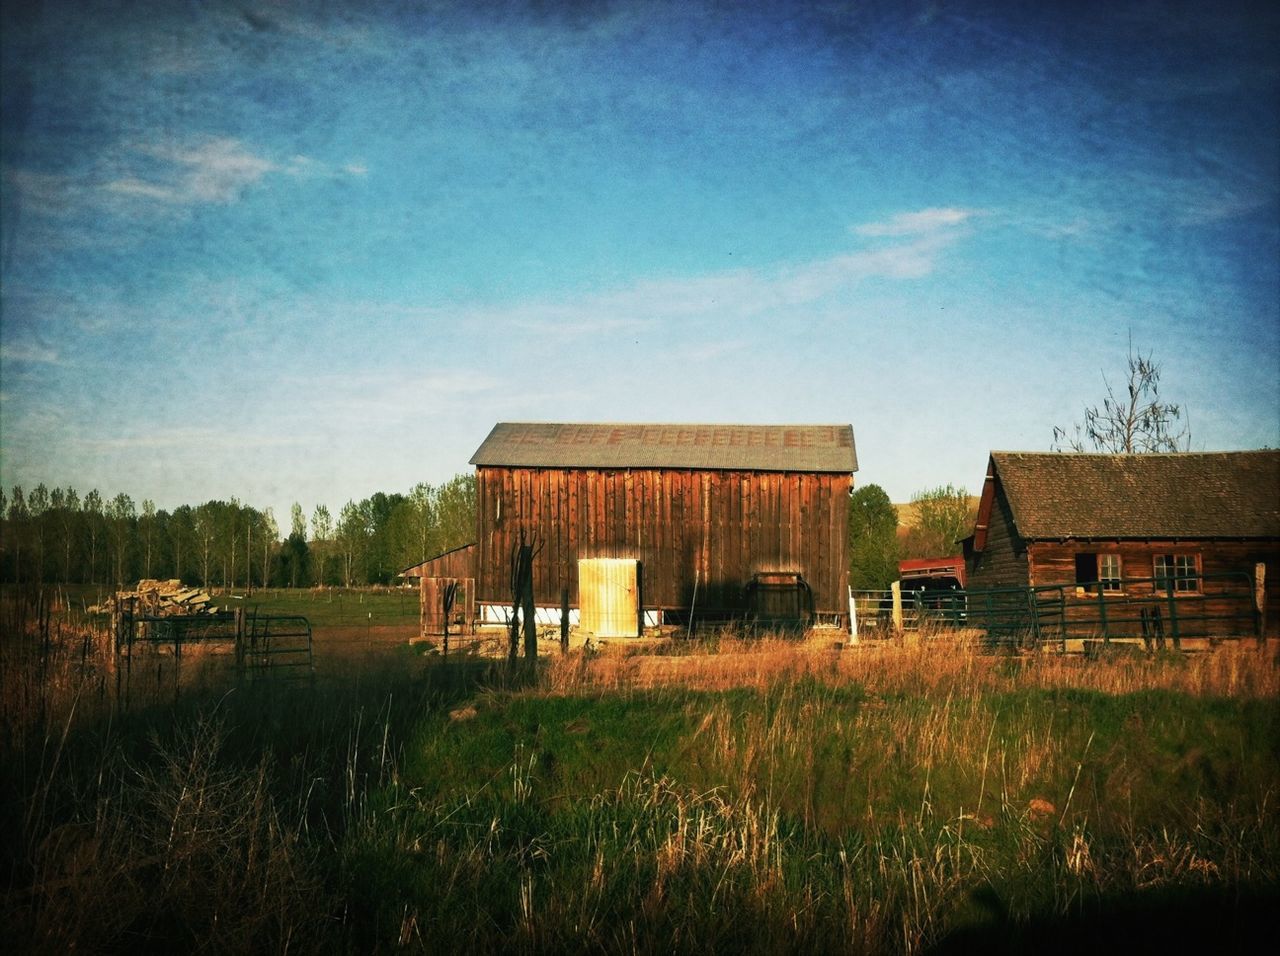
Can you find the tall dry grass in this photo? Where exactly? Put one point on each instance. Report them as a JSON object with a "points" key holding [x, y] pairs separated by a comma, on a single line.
{"points": [[939, 663]]}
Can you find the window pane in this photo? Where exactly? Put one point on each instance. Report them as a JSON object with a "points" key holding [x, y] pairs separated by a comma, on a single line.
{"points": [[1109, 571], [1185, 571], [1163, 571]]}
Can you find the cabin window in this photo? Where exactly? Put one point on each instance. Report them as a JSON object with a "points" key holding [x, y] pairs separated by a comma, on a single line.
{"points": [[1093, 569], [1176, 572], [1109, 571]]}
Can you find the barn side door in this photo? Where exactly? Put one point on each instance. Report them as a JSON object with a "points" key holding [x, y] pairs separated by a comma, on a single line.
{"points": [[609, 596]]}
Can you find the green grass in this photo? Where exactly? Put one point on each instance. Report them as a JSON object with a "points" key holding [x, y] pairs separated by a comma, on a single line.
{"points": [[887, 802], [811, 805], [334, 607]]}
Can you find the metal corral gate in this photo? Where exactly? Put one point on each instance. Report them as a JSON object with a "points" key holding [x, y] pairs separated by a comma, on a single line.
{"points": [[1222, 607], [874, 609], [265, 645]]}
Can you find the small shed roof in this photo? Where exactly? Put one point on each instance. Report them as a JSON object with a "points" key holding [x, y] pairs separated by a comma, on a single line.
{"points": [[816, 448], [1186, 495], [425, 568]]}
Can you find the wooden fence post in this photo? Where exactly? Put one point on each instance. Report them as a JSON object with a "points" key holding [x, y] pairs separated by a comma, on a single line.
{"points": [[1260, 599], [564, 620], [529, 615]]}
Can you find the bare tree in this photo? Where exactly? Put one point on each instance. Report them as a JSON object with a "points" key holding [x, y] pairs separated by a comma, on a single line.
{"points": [[122, 514], [270, 533], [1136, 421], [92, 511], [37, 510], [206, 533], [147, 526]]}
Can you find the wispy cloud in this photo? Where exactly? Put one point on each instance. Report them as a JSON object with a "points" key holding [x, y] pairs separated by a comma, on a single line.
{"points": [[919, 223], [29, 352], [201, 171], [739, 294], [213, 171], [393, 397], [196, 438], [338, 34]]}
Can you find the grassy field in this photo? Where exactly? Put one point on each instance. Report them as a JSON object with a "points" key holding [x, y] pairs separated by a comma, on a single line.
{"points": [[323, 607], [762, 796]]}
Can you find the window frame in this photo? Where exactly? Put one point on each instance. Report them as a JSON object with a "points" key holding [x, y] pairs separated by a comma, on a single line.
{"points": [[1107, 583], [1179, 575]]}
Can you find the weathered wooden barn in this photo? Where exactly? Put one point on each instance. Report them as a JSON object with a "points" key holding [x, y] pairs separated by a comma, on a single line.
{"points": [[454, 567], [1191, 529], [713, 519]]}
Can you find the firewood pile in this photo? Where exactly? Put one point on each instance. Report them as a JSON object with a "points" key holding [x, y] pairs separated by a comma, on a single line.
{"points": [[152, 598]]}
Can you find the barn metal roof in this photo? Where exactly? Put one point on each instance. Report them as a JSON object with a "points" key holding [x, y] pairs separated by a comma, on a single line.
{"points": [[1182, 495], [816, 448]]}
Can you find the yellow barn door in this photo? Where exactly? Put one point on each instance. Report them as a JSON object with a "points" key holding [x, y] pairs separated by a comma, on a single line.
{"points": [[608, 598]]}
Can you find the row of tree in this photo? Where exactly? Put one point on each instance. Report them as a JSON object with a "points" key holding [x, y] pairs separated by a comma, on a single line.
{"points": [[58, 536]]}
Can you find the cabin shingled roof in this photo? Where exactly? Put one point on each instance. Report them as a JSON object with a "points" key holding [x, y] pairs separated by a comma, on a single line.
{"points": [[812, 448], [1176, 495]]}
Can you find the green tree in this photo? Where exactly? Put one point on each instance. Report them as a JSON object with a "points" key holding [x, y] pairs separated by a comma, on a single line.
{"points": [[455, 513], [38, 511], [352, 539], [205, 528], [181, 533], [268, 537], [230, 530], [65, 505], [16, 533], [147, 534], [381, 561], [322, 539], [93, 528], [295, 556], [421, 520], [873, 539], [942, 516], [121, 515], [1134, 422]]}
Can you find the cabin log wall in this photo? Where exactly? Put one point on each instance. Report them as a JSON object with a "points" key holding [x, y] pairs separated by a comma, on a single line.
{"points": [[1003, 563], [1053, 562]]}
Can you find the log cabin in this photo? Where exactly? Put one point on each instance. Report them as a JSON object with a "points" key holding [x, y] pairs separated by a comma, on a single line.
{"points": [[1196, 528]]}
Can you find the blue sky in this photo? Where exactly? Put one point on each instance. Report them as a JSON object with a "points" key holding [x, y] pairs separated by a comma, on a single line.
{"points": [[310, 251]]}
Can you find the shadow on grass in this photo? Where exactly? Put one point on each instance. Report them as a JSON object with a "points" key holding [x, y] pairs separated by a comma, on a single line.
{"points": [[1232, 919]]}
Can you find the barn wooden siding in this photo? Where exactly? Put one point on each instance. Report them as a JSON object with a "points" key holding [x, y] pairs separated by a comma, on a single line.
{"points": [[431, 605], [1053, 562], [718, 526]]}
